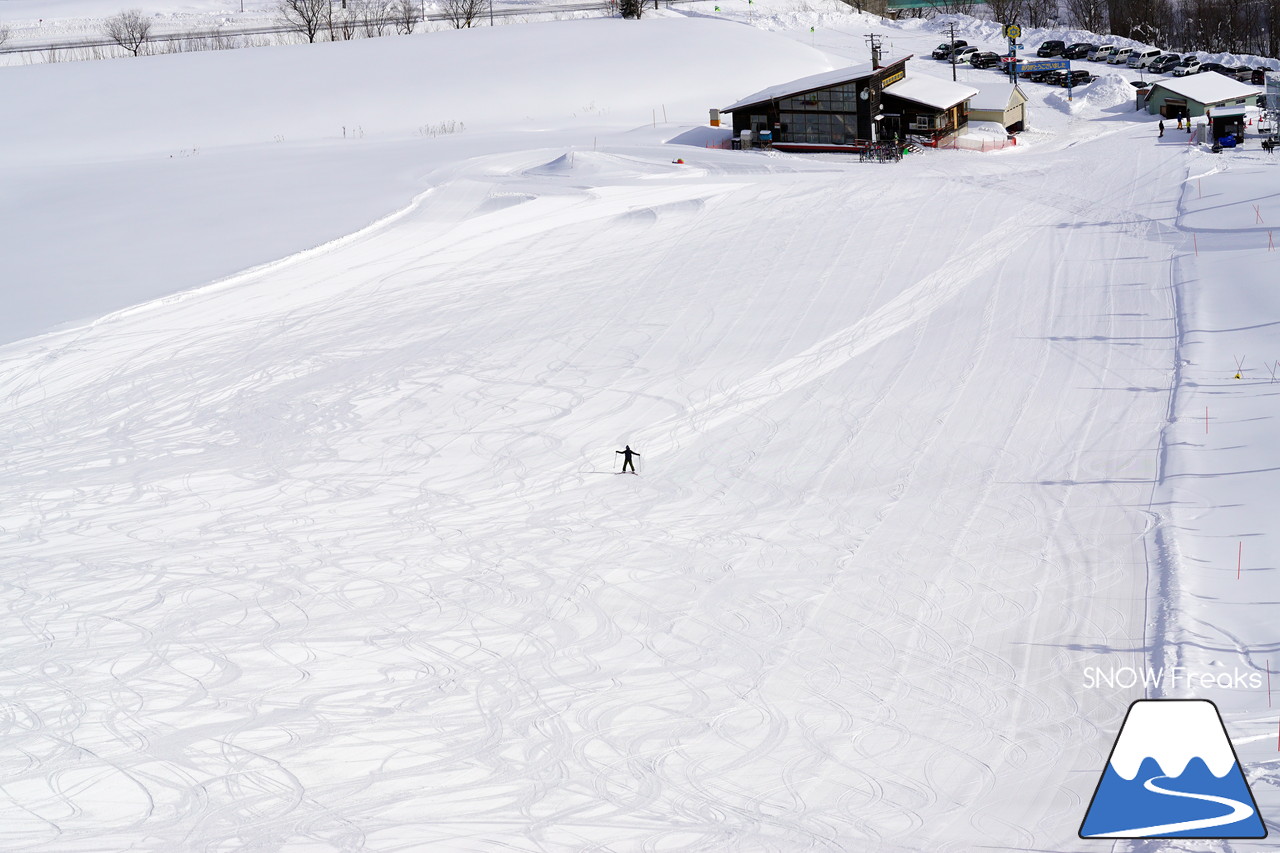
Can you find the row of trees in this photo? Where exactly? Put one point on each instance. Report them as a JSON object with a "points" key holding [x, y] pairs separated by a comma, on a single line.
{"points": [[1226, 26], [335, 20], [342, 20], [1214, 26]]}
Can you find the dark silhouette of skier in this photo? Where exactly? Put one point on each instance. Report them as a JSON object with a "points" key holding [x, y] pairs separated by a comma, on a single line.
{"points": [[626, 459], [1161, 127]]}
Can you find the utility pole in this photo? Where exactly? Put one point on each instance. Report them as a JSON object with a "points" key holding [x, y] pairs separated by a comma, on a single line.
{"points": [[874, 41], [952, 28]]}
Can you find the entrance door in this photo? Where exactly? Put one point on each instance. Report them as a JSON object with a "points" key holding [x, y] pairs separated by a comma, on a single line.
{"points": [[891, 127]]}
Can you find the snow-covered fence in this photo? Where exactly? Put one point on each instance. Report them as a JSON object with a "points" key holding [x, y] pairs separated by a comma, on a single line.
{"points": [[972, 143]]}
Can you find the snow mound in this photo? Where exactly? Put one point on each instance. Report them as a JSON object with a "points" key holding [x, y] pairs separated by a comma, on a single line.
{"points": [[1109, 90], [592, 164]]}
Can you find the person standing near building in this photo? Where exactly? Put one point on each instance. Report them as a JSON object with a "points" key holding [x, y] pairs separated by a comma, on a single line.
{"points": [[626, 459], [1161, 129]]}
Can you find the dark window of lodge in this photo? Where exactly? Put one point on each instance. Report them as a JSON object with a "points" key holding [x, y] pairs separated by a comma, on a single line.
{"points": [[820, 128], [822, 117], [842, 99]]}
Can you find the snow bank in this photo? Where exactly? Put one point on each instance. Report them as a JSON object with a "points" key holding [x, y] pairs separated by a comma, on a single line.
{"points": [[1109, 90], [196, 101]]}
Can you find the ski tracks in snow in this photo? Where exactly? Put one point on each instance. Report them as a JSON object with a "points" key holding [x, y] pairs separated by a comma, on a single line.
{"points": [[313, 559]]}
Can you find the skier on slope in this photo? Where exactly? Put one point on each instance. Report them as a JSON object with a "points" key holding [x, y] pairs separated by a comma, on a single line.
{"points": [[626, 459], [1161, 127]]}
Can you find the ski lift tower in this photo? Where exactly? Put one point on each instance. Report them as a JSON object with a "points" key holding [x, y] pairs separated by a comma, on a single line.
{"points": [[1271, 110]]}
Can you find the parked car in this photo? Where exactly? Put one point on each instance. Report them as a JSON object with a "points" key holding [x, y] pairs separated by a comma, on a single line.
{"points": [[1079, 50], [1102, 53], [962, 54], [1164, 64], [987, 59], [1215, 66], [1188, 66], [1078, 77], [943, 51], [1143, 57], [1120, 57], [1037, 76], [1052, 47]]}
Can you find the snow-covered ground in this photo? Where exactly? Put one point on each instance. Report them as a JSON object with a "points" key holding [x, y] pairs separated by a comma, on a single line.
{"points": [[311, 396]]}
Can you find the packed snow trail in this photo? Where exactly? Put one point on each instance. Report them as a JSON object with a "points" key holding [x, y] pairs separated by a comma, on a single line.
{"points": [[319, 558]]}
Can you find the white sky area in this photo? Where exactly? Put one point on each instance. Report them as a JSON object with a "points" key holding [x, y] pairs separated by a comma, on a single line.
{"points": [[315, 361]]}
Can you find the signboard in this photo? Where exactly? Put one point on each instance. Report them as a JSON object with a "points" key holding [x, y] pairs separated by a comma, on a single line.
{"points": [[893, 78], [1013, 32], [1044, 65]]}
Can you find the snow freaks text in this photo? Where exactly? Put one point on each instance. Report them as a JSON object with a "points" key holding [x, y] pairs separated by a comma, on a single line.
{"points": [[1173, 677]]}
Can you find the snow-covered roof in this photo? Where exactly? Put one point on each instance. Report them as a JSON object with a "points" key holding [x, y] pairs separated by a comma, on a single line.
{"points": [[1207, 87], [808, 84], [992, 96], [932, 91]]}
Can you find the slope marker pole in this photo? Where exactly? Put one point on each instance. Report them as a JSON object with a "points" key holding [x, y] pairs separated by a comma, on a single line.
{"points": [[1239, 559], [1195, 243], [1257, 212]]}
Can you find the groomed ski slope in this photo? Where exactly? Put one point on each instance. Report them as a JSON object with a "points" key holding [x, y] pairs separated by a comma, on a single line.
{"points": [[330, 555]]}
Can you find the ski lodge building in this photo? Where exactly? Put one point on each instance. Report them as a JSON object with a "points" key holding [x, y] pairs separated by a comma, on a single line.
{"points": [[846, 109], [1195, 93]]}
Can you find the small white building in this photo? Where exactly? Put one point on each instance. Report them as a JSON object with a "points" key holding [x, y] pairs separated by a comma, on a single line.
{"points": [[1001, 102]]}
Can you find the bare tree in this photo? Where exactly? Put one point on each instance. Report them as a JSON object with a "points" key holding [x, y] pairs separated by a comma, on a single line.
{"points": [[463, 13], [342, 24], [406, 16], [631, 8], [1006, 11], [304, 16], [1040, 13], [129, 30], [375, 17], [1088, 15], [4, 34]]}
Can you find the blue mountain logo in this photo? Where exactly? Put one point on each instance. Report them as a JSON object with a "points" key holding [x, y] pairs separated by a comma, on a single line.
{"points": [[1173, 773]]}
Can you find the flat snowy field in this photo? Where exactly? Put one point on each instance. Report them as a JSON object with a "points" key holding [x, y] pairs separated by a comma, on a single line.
{"points": [[315, 364]]}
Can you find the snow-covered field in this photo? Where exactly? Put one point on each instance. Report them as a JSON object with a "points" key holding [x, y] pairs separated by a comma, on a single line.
{"points": [[312, 390]]}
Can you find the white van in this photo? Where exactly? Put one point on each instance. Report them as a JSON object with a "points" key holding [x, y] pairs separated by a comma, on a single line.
{"points": [[1102, 54], [1142, 57], [1120, 57]]}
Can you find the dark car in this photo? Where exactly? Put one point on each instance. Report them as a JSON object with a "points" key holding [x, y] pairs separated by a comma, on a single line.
{"points": [[1164, 64], [1079, 50], [943, 51], [1037, 76], [1078, 77], [1215, 66], [984, 60], [1052, 47]]}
